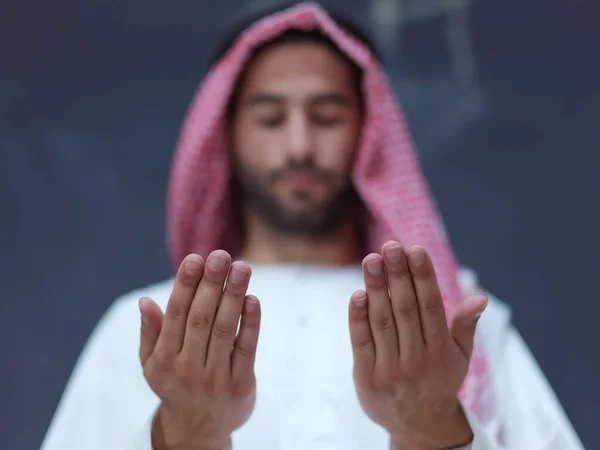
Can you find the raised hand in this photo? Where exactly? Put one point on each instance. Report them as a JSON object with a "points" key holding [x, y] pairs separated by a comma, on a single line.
{"points": [[196, 360], [408, 363]]}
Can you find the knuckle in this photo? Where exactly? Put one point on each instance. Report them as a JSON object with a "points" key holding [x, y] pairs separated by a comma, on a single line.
{"points": [[362, 343], [433, 306], [384, 323], [240, 389], [199, 320], [244, 350], [250, 323], [222, 331], [408, 311], [163, 359], [175, 310]]}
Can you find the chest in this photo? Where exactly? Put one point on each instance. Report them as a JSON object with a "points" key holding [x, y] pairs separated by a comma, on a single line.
{"points": [[304, 342], [305, 391]]}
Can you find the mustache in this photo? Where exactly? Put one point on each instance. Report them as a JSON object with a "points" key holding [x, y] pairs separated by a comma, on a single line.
{"points": [[304, 167]]}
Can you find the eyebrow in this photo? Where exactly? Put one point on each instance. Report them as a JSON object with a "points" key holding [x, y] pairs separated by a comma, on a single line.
{"points": [[263, 98]]}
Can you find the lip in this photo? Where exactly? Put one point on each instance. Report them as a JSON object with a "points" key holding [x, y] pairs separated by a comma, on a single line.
{"points": [[301, 180]]}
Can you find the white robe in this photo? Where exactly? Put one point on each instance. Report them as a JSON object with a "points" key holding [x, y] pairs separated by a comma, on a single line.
{"points": [[305, 395]]}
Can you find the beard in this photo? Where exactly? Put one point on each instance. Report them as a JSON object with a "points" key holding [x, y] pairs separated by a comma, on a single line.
{"points": [[317, 217]]}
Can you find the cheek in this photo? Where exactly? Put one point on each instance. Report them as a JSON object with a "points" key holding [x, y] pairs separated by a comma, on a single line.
{"points": [[337, 148]]}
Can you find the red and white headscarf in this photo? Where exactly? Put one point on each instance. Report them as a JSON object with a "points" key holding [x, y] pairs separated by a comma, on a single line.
{"points": [[386, 173]]}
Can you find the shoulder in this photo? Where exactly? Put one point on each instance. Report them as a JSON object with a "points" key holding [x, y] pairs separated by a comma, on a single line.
{"points": [[128, 302], [116, 336], [123, 315]]}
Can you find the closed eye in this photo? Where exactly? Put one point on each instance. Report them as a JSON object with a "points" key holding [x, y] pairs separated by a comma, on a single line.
{"points": [[271, 122], [326, 121]]}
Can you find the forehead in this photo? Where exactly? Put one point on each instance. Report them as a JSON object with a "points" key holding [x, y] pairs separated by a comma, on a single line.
{"points": [[298, 68]]}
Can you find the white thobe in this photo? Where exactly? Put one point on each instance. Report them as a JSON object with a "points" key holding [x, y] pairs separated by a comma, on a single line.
{"points": [[305, 394]]}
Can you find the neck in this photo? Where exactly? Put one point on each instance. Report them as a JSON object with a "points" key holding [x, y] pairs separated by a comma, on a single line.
{"points": [[265, 245]]}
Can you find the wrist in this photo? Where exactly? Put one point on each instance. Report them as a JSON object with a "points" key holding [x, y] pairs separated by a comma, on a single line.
{"points": [[447, 431], [170, 434]]}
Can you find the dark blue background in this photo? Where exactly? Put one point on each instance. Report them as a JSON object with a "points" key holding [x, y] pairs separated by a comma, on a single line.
{"points": [[91, 99]]}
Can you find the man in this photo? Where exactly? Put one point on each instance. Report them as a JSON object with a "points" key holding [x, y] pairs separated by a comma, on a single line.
{"points": [[295, 159]]}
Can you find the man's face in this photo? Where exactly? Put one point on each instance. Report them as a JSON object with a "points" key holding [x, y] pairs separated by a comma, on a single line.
{"points": [[295, 130]]}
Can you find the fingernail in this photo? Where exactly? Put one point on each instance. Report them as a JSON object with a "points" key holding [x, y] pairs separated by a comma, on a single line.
{"points": [[360, 302], [482, 300], [217, 262], [250, 306], [374, 267], [416, 257], [238, 275], [394, 253], [192, 265]]}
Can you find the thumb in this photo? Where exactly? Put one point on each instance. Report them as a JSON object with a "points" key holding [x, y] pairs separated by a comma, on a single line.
{"points": [[151, 317], [464, 322]]}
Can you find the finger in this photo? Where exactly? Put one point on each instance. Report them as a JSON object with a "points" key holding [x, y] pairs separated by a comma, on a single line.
{"points": [[244, 349], [381, 316], [429, 297], [174, 323], [404, 300], [464, 322], [204, 306], [361, 338], [152, 318], [226, 322]]}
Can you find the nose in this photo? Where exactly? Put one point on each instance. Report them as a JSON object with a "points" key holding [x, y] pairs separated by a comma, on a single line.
{"points": [[299, 137]]}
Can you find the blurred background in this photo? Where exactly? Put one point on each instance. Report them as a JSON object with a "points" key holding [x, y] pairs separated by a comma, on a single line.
{"points": [[503, 99]]}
